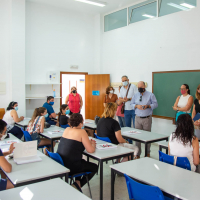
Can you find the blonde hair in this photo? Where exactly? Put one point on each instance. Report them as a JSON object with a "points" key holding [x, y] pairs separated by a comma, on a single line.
{"points": [[37, 112], [109, 110], [197, 95]]}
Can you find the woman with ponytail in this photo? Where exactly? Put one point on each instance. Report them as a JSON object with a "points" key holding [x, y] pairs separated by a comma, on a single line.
{"points": [[184, 102], [36, 125], [62, 118]]}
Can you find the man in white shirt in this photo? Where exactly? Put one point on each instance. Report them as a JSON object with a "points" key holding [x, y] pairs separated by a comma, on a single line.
{"points": [[129, 112]]}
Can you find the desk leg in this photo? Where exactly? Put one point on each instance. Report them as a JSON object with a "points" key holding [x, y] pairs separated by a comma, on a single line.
{"points": [[66, 177], [101, 180], [145, 155], [131, 156], [160, 148], [112, 184], [167, 151], [52, 149]]}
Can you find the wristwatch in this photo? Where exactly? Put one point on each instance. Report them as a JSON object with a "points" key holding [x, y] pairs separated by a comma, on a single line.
{"points": [[177, 109]]}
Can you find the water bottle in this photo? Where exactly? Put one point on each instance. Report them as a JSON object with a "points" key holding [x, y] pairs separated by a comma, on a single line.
{"points": [[54, 93]]}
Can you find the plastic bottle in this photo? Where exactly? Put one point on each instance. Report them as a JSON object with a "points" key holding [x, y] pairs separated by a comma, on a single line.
{"points": [[54, 93]]}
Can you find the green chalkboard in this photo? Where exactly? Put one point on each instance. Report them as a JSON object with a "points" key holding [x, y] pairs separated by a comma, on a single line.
{"points": [[166, 87]]}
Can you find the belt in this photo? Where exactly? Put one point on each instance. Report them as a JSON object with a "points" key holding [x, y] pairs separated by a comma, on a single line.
{"points": [[145, 117]]}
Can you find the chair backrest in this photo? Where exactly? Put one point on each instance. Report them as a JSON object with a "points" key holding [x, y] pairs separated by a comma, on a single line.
{"points": [[138, 191], [106, 139], [2, 112], [64, 126], [182, 162], [27, 136], [56, 157]]}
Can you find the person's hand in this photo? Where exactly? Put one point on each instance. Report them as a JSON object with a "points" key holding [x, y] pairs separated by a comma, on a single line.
{"points": [[50, 116], [125, 99], [174, 108], [197, 123], [21, 118], [139, 107], [93, 142], [144, 107], [11, 148]]}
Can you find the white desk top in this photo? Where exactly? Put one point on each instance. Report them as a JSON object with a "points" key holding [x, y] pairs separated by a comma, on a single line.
{"points": [[173, 180], [51, 190], [90, 124], [163, 143], [107, 153], [33, 171], [144, 136], [53, 128], [24, 122]]}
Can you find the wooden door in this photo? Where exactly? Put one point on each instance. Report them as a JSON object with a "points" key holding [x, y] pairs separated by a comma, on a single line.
{"points": [[94, 104]]}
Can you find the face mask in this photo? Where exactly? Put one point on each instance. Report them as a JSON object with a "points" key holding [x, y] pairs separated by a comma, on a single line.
{"points": [[51, 103], [82, 127], [46, 115], [16, 108], [67, 112], [183, 91], [3, 137], [141, 90], [125, 83], [111, 91], [74, 91]]}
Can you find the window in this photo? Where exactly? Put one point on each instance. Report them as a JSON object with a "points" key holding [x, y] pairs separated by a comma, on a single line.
{"points": [[172, 6], [142, 11], [115, 20]]}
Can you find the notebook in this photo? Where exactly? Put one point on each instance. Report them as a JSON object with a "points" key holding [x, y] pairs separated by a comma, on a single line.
{"points": [[197, 117], [131, 132], [26, 152], [8, 142], [106, 146], [55, 132]]}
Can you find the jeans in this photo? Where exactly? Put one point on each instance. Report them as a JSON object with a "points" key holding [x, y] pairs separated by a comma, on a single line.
{"points": [[128, 115], [121, 121], [51, 122], [17, 132]]}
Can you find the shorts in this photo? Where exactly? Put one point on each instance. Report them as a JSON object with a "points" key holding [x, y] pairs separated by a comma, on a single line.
{"points": [[35, 136], [3, 184]]}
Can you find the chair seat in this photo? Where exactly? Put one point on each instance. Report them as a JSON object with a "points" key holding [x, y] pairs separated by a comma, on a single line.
{"points": [[167, 198]]}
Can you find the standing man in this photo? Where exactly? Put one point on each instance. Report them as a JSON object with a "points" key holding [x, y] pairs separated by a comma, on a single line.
{"points": [[129, 112], [143, 103]]}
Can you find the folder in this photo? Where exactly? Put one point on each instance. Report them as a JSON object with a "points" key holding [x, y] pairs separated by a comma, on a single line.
{"points": [[197, 117]]}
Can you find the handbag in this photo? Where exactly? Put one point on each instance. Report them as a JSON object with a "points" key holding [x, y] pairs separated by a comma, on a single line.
{"points": [[123, 105], [96, 119]]}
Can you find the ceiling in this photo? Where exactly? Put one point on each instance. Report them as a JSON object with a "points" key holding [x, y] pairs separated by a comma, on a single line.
{"points": [[112, 5]]}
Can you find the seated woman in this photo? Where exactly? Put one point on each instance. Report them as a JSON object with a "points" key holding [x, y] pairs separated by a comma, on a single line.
{"points": [[183, 142], [11, 117], [72, 144], [4, 164], [63, 120], [36, 125], [108, 127]]}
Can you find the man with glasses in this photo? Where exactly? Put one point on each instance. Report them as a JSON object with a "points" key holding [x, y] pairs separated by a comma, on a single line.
{"points": [[143, 102]]}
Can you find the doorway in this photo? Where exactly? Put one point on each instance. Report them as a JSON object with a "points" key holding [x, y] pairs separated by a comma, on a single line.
{"points": [[70, 79]]}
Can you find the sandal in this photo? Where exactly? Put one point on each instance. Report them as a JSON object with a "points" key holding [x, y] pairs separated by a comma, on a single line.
{"points": [[77, 186]]}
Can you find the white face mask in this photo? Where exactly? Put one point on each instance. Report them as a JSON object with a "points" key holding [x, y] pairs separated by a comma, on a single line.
{"points": [[111, 91], [3, 137]]}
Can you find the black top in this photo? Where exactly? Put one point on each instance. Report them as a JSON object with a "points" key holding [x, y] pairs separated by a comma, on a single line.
{"points": [[197, 106], [63, 120], [71, 153], [107, 127]]}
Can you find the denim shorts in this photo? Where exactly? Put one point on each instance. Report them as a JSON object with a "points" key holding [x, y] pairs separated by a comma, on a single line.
{"points": [[35, 136], [3, 184]]}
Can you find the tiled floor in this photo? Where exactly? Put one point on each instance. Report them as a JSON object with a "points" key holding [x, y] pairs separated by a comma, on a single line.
{"points": [[159, 126]]}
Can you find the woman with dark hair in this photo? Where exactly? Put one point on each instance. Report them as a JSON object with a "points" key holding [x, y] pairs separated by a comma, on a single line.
{"points": [[11, 117], [72, 144], [184, 102], [183, 142], [110, 97], [62, 118]]}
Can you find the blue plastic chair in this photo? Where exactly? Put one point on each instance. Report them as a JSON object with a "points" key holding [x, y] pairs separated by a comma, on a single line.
{"points": [[28, 137], [182, 162], [138, 191], [64, 126], [57, 158], [106, 139]]}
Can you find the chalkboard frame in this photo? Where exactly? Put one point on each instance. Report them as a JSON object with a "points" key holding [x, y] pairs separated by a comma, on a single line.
{"points": [[163, 117]]}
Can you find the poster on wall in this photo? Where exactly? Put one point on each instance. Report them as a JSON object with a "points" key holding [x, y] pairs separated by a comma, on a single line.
{"points": [[53, 77]]}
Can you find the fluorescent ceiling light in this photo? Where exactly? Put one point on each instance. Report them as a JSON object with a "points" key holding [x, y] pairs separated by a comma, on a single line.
{"points": [[187, 5], [149, 16], [177, 6], [93, 2]]}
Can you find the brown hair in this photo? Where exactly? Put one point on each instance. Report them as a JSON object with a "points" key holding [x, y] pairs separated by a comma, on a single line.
{"points": [[197, 95], [75, 119], [37, 112], [109, 110], [62, 107], [108, 89]]}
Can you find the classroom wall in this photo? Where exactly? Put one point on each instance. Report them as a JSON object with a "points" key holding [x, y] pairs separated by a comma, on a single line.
{"points": [[171, 42]]}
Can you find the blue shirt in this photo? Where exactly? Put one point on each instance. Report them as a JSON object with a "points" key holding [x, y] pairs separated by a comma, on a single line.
{"points": [[50, 110], [148, 98]]}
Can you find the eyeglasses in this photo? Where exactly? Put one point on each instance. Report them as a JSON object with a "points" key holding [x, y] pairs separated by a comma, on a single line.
{"points": [[182, 88], [140, 98]]}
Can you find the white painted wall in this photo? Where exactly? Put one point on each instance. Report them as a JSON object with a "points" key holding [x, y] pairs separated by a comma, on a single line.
{"points": [[168, 43]]}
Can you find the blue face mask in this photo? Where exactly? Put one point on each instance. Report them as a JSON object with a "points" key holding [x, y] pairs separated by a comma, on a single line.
{"points": [[67, 112], [46, 115], [51, 103], [16, 108], [125, 83], [82, 127]]}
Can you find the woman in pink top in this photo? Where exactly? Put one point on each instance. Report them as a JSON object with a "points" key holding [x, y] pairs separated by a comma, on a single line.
{"points": [[74, 101], [118, 113]]}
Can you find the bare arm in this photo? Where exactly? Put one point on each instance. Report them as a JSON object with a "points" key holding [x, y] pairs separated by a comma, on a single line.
{"points": [[10, 150], [188, 106], [195, 144], [81, 102], [42, 125], [193, 112], [14, 115], [89, 146], [5, 165], [119, 137], [67, 99], [52, 115], [168, 149], [176, 103]]}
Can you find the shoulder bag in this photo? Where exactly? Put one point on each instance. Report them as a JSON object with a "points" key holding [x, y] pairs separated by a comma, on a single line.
{"points": [[123, 105]]}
